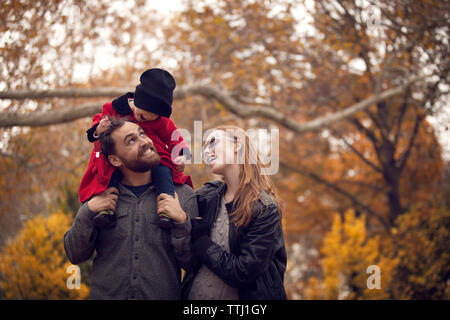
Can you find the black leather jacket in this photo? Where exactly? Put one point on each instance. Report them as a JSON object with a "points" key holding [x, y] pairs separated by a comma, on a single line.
{"points": [[257, 259]]}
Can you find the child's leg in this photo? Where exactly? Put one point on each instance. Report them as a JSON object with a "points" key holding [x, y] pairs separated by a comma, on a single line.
{"points": [[115, 179], [107, 217], [163, 182]]}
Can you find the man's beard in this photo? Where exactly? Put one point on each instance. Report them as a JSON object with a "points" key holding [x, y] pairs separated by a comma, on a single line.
{"points": [[143, 164]]}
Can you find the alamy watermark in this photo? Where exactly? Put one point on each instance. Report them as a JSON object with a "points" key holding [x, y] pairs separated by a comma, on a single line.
{"points": [[374, 281], [264, 140], [74, 280]]}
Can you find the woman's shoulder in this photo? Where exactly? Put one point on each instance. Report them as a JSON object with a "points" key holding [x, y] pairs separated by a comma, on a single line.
{"points": [[265, 205], [266, 199], [208, 187]]}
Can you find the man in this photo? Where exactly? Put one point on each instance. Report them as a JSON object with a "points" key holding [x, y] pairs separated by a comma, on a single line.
{"points": [[135, 258]]}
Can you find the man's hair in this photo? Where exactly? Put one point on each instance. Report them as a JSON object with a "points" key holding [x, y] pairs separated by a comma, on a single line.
{"points": [[106, 141]]}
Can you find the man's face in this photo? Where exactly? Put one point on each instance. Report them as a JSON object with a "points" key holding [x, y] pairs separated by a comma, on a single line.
{"points": [[134, 150]]}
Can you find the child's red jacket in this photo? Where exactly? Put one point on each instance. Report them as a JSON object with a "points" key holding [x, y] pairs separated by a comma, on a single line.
{"points": [[99, 171]]}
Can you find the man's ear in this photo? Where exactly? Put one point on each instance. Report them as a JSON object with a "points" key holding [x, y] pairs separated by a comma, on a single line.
{"points": [[114, 160]]}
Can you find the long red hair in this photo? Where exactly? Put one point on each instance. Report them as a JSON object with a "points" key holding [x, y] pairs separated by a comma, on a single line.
{"points": [[251, 178]]}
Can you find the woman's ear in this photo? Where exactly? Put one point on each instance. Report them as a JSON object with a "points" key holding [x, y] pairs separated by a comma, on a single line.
{"points": [[114, 160]]}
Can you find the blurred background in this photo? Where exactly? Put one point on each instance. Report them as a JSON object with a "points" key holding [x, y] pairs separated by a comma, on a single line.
{"points": [[370, 188]]}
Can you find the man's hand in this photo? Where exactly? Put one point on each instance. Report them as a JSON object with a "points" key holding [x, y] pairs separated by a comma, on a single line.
{"points": [[102, 126], [171, 206], [106, 200], [179, 162]]}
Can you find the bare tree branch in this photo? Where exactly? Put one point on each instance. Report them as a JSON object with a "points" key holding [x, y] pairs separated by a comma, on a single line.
{"points": [[245, 111], [375, 188], [337, 189], [64, 93], [39, 118], [400, 116], [357, 152], [405, 155], [45, 118], [366, 131]]}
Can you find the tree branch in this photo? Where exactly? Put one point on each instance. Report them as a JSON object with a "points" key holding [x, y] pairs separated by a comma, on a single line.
{"points": [[405, 155], [45, 118], [337, 189], [357, 152], [366, 131], [402, 112], [64, 93], [375, 188], [39, 118]]}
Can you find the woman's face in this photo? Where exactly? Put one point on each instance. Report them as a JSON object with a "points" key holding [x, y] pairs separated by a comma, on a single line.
{"points": [[218, 151]]}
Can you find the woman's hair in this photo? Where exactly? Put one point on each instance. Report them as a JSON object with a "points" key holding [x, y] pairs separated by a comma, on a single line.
{"points": [[251, 179]]}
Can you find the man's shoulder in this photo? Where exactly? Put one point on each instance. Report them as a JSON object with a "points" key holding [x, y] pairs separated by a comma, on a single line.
{"points": [[183, 189], [187, 199]]}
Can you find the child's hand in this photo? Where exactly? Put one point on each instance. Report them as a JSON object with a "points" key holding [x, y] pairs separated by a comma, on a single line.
{"points": [[102, 125], [179, 161]]}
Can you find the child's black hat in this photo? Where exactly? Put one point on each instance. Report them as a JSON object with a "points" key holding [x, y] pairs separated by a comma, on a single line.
{"points": [[155, 92]]}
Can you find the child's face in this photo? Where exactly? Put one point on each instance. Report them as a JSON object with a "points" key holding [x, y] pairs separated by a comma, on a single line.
{"points": [[141, 114]]}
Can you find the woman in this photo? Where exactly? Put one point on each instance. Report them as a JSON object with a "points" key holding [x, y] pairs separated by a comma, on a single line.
{"points": [[238, 242]]}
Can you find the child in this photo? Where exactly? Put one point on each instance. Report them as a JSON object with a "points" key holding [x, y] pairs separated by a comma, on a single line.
{"points": [[150, 106]]}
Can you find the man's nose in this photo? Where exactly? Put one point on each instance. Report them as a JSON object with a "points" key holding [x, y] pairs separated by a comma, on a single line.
{"points": [[146, 140]]}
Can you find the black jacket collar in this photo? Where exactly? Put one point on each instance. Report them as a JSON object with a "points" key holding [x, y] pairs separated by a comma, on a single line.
{"points": [[220, 188], [121, 103]]}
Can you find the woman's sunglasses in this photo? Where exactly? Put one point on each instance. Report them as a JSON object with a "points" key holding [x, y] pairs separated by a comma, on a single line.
{"points": [[211, 143]]}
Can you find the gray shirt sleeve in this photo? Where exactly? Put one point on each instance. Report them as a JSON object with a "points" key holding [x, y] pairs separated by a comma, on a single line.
{"points": [[181, 232], [79, 240]]}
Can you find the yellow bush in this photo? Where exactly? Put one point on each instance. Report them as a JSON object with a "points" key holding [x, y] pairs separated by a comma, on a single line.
{"points": [[422, 239], [34, 264], [347, 254]]}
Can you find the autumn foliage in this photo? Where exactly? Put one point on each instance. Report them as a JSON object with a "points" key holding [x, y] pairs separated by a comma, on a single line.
{"points": [[34, 266], [348, 251], [422, 244], [369, 190]]}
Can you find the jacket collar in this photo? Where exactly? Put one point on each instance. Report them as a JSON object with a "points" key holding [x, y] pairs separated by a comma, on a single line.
{"points": [[215, 187], [264, 197], [222, 188], [121, 103]]}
